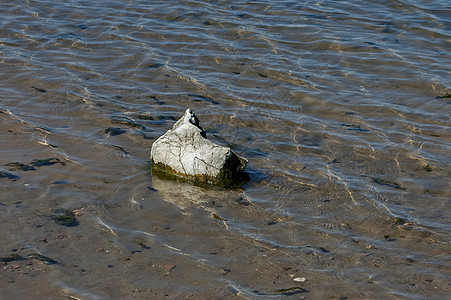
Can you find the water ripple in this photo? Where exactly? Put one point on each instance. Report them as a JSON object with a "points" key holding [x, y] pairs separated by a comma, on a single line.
{"points": [[341, 108]]}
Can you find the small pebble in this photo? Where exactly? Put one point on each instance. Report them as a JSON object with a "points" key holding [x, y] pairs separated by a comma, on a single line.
{"points": [[224, 271], [15, 266], [300, 279], [169, 267]]}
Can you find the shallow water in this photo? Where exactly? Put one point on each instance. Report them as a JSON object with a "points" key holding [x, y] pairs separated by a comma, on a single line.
{"points": [[342, 108]]}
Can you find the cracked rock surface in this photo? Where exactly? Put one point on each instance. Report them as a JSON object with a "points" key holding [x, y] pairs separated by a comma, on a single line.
{"points": [[185, 151]]}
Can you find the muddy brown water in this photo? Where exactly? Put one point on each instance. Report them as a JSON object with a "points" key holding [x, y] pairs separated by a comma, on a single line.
{"points": [[342, 108]]}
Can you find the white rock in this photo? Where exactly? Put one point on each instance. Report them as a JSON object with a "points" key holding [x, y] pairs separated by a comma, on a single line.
{"points": [[185, 151]]}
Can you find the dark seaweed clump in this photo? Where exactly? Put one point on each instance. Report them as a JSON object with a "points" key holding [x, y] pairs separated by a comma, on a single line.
{"points": [[285, 292], [35, 163], [354, 127], [65, 218], [447, 95], [15, 257], [20, 166], [11, 257], [9, 176], [46, 162], [391, 184], [113, 131], [45, 259]]}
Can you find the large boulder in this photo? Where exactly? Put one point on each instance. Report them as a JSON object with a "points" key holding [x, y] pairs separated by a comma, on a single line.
{"points": [[184, 151]]}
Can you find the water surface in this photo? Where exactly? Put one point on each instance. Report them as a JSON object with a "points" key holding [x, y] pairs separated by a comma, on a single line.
{"points": [[342, 108]]}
